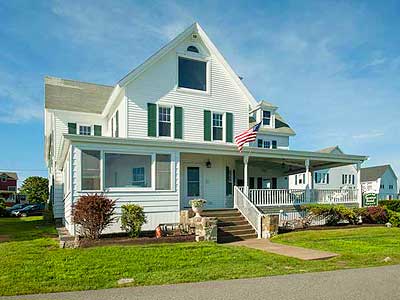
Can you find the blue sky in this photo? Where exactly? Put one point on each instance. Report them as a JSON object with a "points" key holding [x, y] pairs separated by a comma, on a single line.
{"points": [[331, 66]]}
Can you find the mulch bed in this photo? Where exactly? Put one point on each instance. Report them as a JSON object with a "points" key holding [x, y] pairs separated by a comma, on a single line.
{"points": [[124, 240], [326, 227]]}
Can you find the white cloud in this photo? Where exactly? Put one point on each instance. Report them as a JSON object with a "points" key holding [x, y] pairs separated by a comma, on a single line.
{"points": [[369, 135]]}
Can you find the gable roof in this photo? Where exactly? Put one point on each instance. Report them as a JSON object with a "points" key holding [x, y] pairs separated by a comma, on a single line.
{"points": [[194, 28], [331, 149], [373, 173], [72, 95], [12, 175], [281, 126]]}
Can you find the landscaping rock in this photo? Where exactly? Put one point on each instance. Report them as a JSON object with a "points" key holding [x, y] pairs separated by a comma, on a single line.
{"points": [[125, 281], [388, 224], [387, 259]]}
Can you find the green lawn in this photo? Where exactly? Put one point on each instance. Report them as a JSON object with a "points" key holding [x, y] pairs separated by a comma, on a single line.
{"points": [[32, 262]]}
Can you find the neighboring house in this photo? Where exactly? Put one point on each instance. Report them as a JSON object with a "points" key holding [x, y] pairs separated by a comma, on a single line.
{"points": [[344, 177], [381, 180], [8, 186], [163, 135]]}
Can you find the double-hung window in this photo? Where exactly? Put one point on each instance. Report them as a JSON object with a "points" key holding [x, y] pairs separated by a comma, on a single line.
{"points": [[192, 74], [267, 144], [266, 118], [217, 122], [164, 121], [85, 130]]}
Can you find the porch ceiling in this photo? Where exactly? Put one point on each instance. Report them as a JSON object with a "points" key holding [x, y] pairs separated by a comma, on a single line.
{"points": [[293, 159]]}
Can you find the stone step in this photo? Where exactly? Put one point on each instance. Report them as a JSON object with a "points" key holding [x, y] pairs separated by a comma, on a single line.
{"points": [[236, 232]]}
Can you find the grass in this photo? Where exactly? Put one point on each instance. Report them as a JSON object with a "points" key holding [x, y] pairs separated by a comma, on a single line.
{"points": [[32, 262]]}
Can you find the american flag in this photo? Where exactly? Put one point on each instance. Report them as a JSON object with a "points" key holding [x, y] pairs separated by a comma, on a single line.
{"points": [[247, 136]]}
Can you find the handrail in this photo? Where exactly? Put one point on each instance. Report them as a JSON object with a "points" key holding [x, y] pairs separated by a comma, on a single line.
{"points": [[251, 213]]}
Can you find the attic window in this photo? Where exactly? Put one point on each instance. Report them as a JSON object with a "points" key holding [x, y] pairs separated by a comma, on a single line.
{"points": [[192, 49], [266, 117]]}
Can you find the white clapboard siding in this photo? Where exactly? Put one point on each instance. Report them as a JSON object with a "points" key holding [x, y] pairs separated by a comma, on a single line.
{"points": [[158, 85]]}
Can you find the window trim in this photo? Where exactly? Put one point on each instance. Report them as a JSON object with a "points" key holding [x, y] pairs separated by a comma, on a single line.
{"points": [[198, 57], [78, 129], [223, 127], [80, 171], [270, 118], [4, 178], [172, 116]]}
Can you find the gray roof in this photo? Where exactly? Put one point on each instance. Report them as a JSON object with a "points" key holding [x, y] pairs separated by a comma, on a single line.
{"points": [[330, 149], [373, 173], [281, 127], [12, 175], [64, 94]]}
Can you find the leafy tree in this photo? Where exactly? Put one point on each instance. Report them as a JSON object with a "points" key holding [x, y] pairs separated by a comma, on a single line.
{"points": [[36, 189]]}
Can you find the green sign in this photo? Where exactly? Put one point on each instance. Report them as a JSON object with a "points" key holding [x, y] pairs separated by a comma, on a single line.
{"points": [[370, 199]]}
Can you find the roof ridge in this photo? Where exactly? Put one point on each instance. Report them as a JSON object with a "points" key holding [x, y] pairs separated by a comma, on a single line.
{"points": [[78, 81]]}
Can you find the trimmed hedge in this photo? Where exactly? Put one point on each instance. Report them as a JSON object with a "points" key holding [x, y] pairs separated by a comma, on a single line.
{"points": [[333, 214]]}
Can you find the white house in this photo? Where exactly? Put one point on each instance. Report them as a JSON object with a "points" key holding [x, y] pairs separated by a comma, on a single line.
{"points": [[344, 177], [164, 135], [381, 180]]}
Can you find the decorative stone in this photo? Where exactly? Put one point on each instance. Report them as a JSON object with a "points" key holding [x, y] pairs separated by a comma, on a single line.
{"points": [[205, 228], [125, 281], [270, 226], [387, 259], [388, 224]]}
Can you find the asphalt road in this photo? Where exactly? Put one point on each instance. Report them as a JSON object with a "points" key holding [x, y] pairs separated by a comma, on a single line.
{"points": [[365, 284]]}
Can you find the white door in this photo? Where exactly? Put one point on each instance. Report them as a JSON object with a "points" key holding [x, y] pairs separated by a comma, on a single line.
{"points": [[193, 184]]}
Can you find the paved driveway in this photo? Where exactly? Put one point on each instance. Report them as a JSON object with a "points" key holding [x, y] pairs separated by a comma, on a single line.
{"points": [[365, 284]]}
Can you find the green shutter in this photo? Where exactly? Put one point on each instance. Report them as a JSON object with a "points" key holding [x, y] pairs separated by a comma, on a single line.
{"points": [[178, 122], [97, 130], [229, 127], [71, 128], [151, 119], [207, 125]]}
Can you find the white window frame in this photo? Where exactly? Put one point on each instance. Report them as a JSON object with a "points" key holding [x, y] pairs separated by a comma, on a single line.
{"points": [[4, 178], [172, 117], [85, 125], [270, 118], [15, 188], [80, 171], [198, 57], [223, 127]]}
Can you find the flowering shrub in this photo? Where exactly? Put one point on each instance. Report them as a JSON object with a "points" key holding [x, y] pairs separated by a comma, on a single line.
{"points": [[94, 213], [373, 214]]}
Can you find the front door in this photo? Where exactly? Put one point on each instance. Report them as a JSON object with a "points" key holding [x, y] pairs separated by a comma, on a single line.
{"points": [[192, 185]]}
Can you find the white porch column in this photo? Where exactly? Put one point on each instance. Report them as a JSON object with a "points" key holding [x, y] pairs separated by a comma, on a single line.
{"points": [[359, 191], [308, 192], [245, 174]]}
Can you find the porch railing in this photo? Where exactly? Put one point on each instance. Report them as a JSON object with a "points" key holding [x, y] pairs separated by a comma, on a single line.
{"points": [[248, 210], [282, 197]]}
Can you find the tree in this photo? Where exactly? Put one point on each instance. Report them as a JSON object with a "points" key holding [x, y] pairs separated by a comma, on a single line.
{"points": [[36, 189]]}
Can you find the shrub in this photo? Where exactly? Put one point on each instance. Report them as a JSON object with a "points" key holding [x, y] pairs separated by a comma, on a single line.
{"points": [[394, 218], [391, 204], [2, 207], [48, 213], [373, 214], [332, 214], [93, 213], [132, 219]]}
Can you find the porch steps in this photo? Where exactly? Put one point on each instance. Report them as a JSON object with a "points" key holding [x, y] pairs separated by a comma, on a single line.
{"points": [[232, 226]]}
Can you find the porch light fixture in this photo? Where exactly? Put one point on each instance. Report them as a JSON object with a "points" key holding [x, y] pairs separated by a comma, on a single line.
{"points": [[208, 164]]}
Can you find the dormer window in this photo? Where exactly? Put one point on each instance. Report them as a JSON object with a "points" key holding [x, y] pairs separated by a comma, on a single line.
{"points": [[266, 118], [192, 74], [192, 49]]}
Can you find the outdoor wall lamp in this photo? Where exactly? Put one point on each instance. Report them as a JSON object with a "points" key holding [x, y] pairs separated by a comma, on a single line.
{"points": [[208, 164]]}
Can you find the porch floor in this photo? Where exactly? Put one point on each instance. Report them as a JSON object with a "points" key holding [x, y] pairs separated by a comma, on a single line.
{"points": [[285, 250]]}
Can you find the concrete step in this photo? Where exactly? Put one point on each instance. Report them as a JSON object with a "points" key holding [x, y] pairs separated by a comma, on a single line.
{"points": [[220, 213], [236, 232], [232, 223], [231, 219], [233, 238], [235, 227]]}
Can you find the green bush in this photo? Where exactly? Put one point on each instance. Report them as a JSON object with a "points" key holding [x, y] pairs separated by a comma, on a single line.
{"points": [[48, 216], [2, 207], [394, 218], [132, 219], [333, 214], [393, 205]]}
